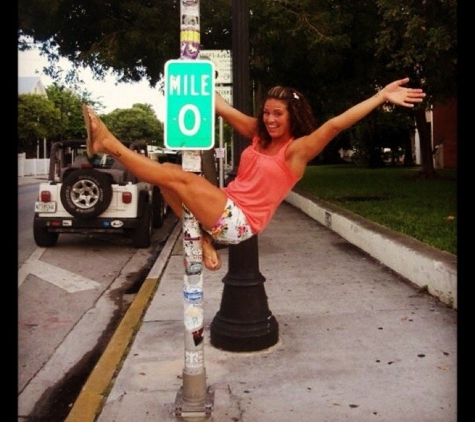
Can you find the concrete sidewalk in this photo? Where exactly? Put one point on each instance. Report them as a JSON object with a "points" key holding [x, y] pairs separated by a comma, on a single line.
{"points": [[357, 341]]}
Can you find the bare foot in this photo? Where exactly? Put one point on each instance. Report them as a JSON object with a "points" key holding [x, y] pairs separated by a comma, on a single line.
{"points": [[96, 131], [211, 258]]}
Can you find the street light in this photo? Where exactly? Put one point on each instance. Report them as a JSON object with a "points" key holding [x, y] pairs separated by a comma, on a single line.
{"points": [[244, 322]]}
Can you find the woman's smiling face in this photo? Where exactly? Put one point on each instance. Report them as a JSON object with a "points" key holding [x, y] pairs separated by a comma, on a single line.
{"points": [[276, 118]]}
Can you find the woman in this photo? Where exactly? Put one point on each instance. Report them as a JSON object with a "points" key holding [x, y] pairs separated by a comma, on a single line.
{"points": [[283, 140]]}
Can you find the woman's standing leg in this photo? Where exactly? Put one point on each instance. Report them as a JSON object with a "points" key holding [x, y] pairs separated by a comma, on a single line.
{"points": [[211, 258]]}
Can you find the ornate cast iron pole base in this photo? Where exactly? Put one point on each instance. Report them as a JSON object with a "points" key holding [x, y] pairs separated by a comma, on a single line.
{"points": [[244, 322]]}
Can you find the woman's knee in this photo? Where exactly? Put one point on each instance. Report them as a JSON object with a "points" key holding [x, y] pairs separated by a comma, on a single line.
{"points": [[180, 174]]}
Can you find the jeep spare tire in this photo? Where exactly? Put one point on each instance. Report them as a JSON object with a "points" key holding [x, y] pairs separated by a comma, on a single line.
{"points": [[86, 193]]}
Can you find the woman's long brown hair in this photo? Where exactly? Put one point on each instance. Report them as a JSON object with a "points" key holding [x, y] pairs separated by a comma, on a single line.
{"points": [[302, 121]]}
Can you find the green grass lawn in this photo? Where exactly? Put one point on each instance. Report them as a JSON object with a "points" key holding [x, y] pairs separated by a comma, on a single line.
{"points": [[395, 197]]}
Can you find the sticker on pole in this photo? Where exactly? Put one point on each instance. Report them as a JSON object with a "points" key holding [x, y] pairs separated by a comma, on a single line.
{"points": [[189, 98]]}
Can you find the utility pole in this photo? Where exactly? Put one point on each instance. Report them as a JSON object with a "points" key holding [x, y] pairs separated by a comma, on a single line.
{"points": [[184, 126]]}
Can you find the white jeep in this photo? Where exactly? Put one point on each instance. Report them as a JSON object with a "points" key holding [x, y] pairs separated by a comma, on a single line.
{"points": [[95, 195]]}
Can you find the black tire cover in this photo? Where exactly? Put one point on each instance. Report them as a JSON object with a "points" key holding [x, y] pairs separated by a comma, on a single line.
{"points": [[86, 193], [157, 208]]}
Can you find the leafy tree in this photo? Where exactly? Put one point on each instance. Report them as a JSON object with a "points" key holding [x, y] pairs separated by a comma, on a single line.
{"points": [[384, 128], [55, 117], [394, 132], [68, 104], [324, 49], [335, 52], [38, 118], [136, 123], [419, 38], [133, 38], [352, 48]]}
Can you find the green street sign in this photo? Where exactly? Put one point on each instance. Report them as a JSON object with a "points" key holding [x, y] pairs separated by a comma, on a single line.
{"points": [[189, 99]]}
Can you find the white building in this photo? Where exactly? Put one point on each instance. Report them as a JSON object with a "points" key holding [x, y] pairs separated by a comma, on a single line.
{"points": [[31, 85]]}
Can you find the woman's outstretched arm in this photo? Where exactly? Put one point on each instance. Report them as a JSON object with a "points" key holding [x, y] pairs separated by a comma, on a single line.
{"points": [[310, 146], [245, 125]]}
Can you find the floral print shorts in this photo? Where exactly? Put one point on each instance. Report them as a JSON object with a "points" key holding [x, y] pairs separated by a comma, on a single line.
{"points": [[232, 227]]}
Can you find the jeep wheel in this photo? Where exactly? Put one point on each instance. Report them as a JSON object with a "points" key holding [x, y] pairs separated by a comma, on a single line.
{"points": [[158, 208], [42, 237], [86, 193], [142, 234]]}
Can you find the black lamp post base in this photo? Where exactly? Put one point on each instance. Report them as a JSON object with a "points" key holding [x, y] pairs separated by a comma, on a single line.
{"points": [[244, 322], [239, 338]]}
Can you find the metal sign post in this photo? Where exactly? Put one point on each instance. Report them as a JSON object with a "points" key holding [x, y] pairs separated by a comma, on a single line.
{"points": [[189, 126], [224, 78]]}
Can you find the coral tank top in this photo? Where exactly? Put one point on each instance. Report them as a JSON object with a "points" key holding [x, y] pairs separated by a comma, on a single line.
{"points": [[261, 184]]}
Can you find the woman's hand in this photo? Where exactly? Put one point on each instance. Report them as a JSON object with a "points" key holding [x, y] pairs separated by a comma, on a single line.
{"points": [[397, 94]]}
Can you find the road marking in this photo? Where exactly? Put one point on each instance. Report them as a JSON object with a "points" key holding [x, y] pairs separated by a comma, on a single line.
{"points": [[59, 277]]}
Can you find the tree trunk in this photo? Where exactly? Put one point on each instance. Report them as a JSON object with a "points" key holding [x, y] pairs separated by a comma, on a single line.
{"points": [[208, 166], [408, 153], [425, 143]]}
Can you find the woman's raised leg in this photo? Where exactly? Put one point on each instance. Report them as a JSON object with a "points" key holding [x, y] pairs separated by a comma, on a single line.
{"points": [[205, 200]]}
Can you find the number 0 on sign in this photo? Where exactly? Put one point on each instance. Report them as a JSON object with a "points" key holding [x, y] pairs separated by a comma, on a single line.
{"points": [[189, 97]]}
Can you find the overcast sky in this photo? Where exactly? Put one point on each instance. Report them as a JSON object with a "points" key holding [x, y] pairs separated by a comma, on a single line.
{"points": [[110, 94]]}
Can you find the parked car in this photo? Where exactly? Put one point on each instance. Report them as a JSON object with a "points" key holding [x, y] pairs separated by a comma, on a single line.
{"points": [[163, 155], [95, 195]]}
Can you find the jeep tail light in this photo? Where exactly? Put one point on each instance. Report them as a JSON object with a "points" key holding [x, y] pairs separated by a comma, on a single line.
{"points": [[45, 196], [126, 197]]}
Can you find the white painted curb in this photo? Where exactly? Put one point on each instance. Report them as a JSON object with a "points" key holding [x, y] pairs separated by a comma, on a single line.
{"points": [[429, 268]]}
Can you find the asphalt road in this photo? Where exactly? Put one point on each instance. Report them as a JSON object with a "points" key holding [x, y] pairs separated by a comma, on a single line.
{"points": [[70, 299]]}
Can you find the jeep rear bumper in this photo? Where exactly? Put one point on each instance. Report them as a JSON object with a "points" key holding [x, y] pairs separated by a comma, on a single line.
{"points": [[96, 225]]}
